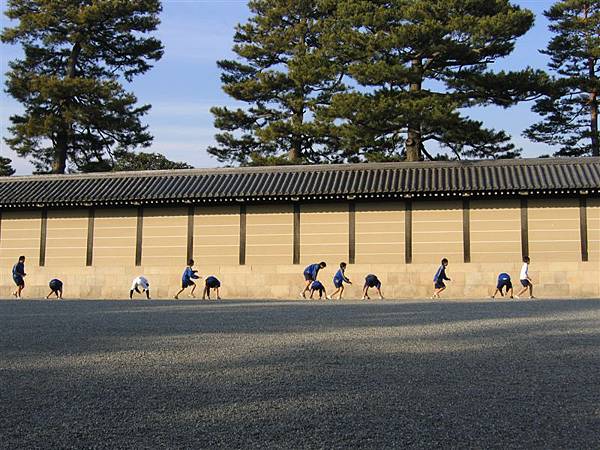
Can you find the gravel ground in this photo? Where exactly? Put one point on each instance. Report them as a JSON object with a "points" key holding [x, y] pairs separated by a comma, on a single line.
{"points": [[104, 374]]}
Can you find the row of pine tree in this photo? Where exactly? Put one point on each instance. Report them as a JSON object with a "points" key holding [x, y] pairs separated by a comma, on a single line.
{"points": [[318, 81]]}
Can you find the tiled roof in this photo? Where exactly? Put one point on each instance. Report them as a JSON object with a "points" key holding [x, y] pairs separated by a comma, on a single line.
{"points": [[421, 179]]}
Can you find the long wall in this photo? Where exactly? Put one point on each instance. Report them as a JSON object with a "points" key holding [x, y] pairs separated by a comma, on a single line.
{"points": [[259, 251]]}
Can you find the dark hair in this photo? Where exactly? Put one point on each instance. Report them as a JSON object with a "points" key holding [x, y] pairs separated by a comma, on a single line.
{"points": [[190, 262], [21, 258], [342, 265], [445, 261], [323, 264], [526, 259]]}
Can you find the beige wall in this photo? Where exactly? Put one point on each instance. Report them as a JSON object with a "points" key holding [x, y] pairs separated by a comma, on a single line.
{"points": [[380, 232], [495, 230], [469, 281], [66, 238], [554, 230], [324, 233], [164, 238], [557, 269], [217, 235], [20, 235], [114, 237], [437, 231], [269, 234], [593, 216]]}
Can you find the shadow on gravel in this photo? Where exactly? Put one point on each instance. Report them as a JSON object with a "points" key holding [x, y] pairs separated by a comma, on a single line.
{"points": [[276, 374]]}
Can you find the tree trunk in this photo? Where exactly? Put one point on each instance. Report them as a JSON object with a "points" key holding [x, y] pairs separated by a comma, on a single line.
{"points": [[59, 163], [414, 141], [64, 138], [593, 96], [295, 152], [594, 124]]}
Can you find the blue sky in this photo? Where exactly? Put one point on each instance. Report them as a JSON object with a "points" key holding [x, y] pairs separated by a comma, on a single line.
{"points": [[185, 83]]}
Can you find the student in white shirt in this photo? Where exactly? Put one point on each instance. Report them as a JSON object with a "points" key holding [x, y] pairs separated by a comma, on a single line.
{"points": [[525, 280], [139, 285]]}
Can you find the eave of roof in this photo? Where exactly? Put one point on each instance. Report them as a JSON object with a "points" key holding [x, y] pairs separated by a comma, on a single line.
{"points": [[317, 182]]}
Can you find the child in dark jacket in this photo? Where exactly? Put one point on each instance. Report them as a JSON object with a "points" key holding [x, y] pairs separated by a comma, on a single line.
{"points": [[189, 274], [211, 282], [338, 281], [371, 281], [56, 288], [439, 278], [18, 274], [317, 286], [310, 274]]}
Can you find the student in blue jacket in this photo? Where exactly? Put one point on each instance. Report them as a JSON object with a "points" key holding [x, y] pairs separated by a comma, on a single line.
{"points": [[211, 282], [189, 274], [504, 281], [338, 281], [56, 288], [317, 286], [18, 274], [371, 281], [439, 278], [310, 275]]}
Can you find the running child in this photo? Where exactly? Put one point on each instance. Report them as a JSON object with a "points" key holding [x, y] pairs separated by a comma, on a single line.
{"points": [[56, 287], [140, 285], [338, 281], [525, 280], [371, 281], [211, 282], [189, 274], [18, 273], [504, 282], [317, 286], [310, 275], [439, 278]]}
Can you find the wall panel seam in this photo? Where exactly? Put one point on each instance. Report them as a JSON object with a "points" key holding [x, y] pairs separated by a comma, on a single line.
{"points": [[43, 235]]}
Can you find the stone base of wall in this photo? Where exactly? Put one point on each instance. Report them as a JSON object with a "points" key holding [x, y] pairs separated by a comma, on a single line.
{"points": [[475, 280]]}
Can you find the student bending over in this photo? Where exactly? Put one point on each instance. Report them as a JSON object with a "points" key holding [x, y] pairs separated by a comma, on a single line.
{"points": [[310, 275], [317, 286], [140, 285], [371, 281], [504, 282], [211, 282], [56, 287]]}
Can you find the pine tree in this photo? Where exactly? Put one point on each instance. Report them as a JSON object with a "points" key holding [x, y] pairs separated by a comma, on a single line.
{"points": [[287, 77], [418, 64], [76, 111], [5, 167], [146, 161], [570, 107]]}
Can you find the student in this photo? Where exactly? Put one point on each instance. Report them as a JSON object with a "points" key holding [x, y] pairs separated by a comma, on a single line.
{"points": [[310, 275], [439, 278], [525, 280], [370, 282], [317, 286], [211, 282], [338, 281], [56, 287], [140, 285], [189, 274], [504, 282], [18, 273]]}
